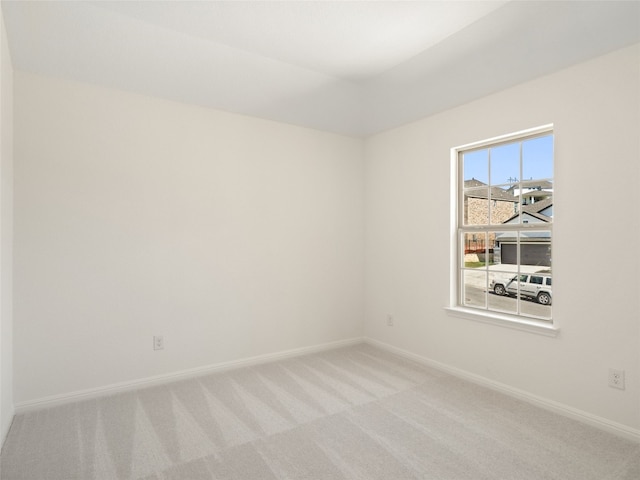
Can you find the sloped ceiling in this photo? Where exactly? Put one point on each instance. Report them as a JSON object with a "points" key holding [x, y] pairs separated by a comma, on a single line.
{"points": [[354, 68]]}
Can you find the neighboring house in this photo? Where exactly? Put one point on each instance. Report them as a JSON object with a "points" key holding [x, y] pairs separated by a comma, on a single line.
{"points": [[533, 191], [535, 247]]}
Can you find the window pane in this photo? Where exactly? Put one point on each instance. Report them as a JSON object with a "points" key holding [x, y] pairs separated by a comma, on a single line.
{"points": [[537, 201], [536, 188], [475, 167], [536, 294], [504, 206], [474, 285], [535, 248], [531, 308], [476, 206], [500, 298], [505, 164], [505, 248], [475, 245], [537, 158]]}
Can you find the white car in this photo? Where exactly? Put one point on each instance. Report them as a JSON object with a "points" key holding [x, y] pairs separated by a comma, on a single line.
{"points": [[532, 285]]}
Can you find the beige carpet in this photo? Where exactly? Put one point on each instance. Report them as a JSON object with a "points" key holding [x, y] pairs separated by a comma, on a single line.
{"points": [[351, 413]]}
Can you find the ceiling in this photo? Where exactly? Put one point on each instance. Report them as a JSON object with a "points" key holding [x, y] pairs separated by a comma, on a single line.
{"points": [[350, 67]]}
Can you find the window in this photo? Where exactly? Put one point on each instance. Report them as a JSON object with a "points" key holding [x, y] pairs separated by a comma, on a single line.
{"points": [[503, 227]]}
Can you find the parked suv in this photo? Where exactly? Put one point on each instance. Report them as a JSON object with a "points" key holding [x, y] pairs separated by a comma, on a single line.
{"points": [[534, 285]]}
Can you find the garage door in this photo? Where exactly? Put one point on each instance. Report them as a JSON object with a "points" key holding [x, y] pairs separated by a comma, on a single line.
{"points": [[532, 254]]}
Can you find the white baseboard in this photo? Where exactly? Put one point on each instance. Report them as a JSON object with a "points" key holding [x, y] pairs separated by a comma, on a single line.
{"points": [[55, 400], [556, 407]]}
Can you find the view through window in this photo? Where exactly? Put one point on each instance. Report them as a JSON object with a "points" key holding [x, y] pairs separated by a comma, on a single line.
{"points": [[505, 218]]}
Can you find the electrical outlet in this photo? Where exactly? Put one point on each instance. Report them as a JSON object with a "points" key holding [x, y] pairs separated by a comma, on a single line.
{"points": [[158, 342], [390, 320], [616, 378]]}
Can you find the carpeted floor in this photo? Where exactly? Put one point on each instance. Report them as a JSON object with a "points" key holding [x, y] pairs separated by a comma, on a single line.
{"points": [[352, 413]]}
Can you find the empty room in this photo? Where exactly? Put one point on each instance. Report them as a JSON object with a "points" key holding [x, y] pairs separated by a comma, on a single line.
{"points": [[320, 240]]}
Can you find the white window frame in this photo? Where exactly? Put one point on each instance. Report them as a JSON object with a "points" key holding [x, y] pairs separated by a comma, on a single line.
{"points": [[455, 308]]}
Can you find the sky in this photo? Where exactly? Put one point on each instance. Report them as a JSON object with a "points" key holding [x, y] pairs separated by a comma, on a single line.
{"points": [[537, 162]]}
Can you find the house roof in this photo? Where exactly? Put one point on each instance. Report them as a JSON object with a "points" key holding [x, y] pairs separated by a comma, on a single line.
{"points": [[539, 216], [497, 193], [536, 184], [538, 206], [534, 210]]}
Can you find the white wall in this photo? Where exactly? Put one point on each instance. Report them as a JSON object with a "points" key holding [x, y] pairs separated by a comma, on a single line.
{"points": [[595, 107], [6, 235], [230, 236]]}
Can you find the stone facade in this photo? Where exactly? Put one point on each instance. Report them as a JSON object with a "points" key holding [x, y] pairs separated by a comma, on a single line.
{"points": [[476, 211]]}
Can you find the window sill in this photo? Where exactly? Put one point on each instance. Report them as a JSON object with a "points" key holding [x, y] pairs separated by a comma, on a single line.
{"points": [[507, 321]]}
